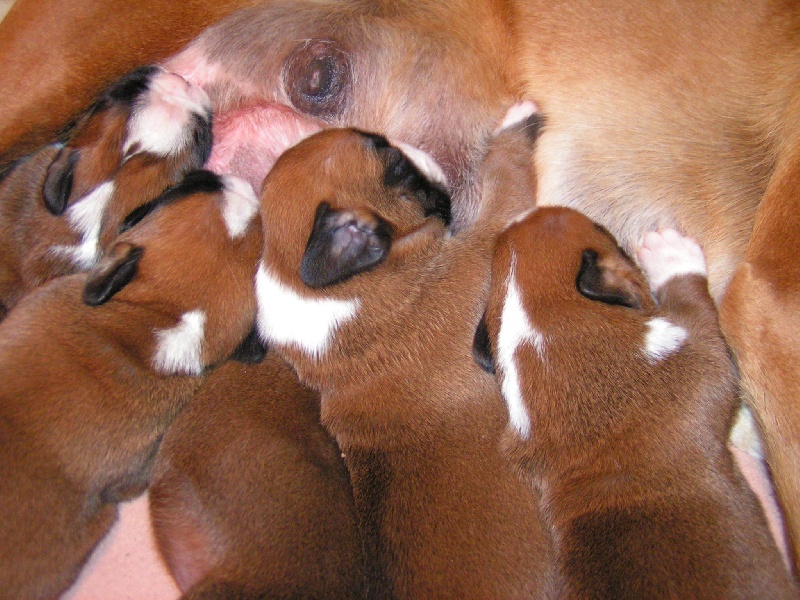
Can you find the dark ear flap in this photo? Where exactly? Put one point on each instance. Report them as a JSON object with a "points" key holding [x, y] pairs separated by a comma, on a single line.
{"points": [[608, 280], [252, 350], [58, 183], [343, 243], [482, 347], [112, 273]]}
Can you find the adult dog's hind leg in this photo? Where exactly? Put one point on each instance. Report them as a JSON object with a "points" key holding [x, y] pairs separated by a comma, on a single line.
{"points": [[760, 315]]}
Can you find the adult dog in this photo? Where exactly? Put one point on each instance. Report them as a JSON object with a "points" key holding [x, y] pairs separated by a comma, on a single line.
{"points": [[666, 113]]}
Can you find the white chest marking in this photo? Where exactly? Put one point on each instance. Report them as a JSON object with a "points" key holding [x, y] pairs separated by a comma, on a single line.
{"points": [[285, 317], [180, 349], [86, 218], [662, 339], [515, 329]]}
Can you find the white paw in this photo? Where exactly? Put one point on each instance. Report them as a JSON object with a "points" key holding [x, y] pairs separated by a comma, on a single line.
{"points": [[517, 114], [665, 254], [172, 91], [744, 434], [162, 122]]}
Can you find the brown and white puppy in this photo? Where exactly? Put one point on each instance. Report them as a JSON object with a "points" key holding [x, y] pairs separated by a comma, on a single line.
{"points": [[365, 292], [661, 114], [619, 414], [251, 498], [60, 207], [90, 386]]}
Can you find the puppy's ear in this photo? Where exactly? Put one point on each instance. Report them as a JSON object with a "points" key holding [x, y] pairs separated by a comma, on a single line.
{"points": [[112, 274], [610, 279], [58, 183], [252, 350], [482, 347], [343, 243]]}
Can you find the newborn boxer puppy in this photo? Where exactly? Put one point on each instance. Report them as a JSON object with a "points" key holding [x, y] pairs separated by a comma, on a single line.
{"points": [[60, 207], [251, 498], [365, 292], [619, 413], [89, 387]]}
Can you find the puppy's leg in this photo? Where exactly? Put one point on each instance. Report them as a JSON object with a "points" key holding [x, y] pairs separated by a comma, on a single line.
{"points": [[54, 66], [760, 315], [676, 269]]}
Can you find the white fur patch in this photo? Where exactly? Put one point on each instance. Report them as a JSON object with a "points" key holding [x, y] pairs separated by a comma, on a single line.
{"points": [[424, 162], [744, 434], [285, 317], [515, 329], [240, 205], [517, 114], [86, 219], [162, 119], [662, 339], [154, 131], [667, 254], [180, 349]]}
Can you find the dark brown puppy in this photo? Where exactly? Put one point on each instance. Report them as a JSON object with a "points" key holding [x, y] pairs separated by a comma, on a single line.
{"points": [[619, 414], [60, 207], [365, 293], [89, 387], [251, 497]]}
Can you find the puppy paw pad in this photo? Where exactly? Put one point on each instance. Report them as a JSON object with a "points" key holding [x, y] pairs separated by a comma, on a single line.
{"points": [[666, 253], [169, 89]]}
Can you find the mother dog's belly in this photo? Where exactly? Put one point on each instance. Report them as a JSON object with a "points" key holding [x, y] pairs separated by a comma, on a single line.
{"points": [[658, 114]]}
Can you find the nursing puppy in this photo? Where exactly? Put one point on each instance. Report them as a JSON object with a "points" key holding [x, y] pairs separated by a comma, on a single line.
{"points": [[90, 386], [363, 290], [619, 413], [661, 114], [251, 498], [60, 207]]}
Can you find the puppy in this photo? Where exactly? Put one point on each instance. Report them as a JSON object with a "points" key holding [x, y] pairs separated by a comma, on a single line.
{"points": [[690, 123], [365, 293], [619, 413], [96, 366], [661, 114], [60, 207], [251, 498]]}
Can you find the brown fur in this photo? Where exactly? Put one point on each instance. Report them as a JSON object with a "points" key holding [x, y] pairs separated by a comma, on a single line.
{"points": [[660, 114], [82, 54], [629, 457], [30, 231], [417, 421], [82, 407], [251, 498]]}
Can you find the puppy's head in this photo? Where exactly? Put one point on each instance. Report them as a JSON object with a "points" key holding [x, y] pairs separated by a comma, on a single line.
{"points": [[553, 274], [148, 111], [347, 216], [191, 256]]}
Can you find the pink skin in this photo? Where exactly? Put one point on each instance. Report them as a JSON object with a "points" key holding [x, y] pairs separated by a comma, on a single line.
{"points": [[247, 142]]}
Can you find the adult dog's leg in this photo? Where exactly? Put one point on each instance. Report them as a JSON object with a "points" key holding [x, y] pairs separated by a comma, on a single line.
{"points": [[760, 314], [57, 54]]}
